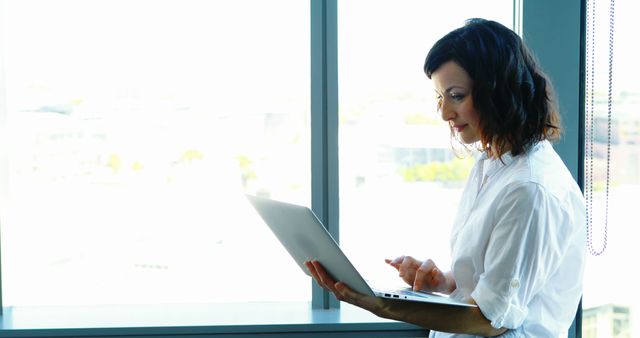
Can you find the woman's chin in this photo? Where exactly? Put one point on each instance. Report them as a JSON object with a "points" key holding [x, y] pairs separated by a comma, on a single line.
{"points": [[468, 140]]}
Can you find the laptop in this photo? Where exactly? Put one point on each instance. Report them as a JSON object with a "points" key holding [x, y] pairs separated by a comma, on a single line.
{"points": [[305, 238]]}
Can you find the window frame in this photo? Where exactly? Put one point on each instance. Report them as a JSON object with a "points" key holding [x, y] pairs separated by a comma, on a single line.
{"points": [[563, 60], [324, 128]]}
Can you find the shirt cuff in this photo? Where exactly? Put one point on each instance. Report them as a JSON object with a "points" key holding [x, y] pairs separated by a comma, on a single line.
{"points": [[500, 310]]}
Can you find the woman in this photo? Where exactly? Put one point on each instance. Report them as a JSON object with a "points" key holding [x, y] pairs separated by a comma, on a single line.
{"points": [[518, 240]]}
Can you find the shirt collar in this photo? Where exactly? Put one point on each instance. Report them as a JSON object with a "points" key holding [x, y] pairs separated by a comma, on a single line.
{"points": [[493, 165]]}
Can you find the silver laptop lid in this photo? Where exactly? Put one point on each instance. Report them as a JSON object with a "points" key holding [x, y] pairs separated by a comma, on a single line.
{"points": [[305, 238]]}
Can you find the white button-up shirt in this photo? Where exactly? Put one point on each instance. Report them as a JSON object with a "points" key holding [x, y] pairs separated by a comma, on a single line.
{"points": [[518, 243]]}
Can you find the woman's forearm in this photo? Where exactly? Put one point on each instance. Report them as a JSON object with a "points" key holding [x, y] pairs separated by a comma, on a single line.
{"points": [[444, 318]]}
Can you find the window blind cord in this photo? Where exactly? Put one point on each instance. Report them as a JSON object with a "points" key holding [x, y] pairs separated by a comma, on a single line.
{"points": [[589, 83], [589, 117]]}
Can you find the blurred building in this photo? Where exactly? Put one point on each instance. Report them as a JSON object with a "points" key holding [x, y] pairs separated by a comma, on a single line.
{"points": [[607, 321], [625, 141]]}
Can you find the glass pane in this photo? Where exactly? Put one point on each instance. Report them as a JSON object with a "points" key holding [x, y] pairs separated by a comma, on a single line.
{"points": [[400, 181], [610, 304], [136, 128]]}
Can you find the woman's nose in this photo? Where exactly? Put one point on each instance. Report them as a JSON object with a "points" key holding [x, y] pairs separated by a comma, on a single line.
{"points": [[446, 112]]}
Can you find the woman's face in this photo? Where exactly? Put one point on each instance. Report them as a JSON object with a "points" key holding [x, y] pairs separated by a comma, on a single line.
{"points": [[455, 102]]}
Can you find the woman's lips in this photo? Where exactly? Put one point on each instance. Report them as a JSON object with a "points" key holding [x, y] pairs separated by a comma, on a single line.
{"points": [[459, 128]]}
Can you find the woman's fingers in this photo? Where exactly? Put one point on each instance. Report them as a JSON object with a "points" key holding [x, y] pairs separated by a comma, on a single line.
{"points": [[342, 291], [321, 276], [395, 262], [408, 268], [426, 276], [314, 273]]}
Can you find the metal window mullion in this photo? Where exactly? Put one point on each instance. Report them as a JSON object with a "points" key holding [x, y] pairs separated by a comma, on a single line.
{"points": [[517, 16], [575, 331], [324, 127], [4, 157], [554, 31]]}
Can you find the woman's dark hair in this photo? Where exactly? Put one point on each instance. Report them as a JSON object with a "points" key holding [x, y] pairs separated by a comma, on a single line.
{"points": [[513, 96]]}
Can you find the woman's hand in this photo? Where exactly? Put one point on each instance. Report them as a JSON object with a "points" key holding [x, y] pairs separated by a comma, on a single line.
{"points": [[343, 292], [431, 316], [421, 275]]}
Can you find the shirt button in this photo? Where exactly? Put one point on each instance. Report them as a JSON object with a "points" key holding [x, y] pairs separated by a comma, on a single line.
{"points": [[515, 283]]}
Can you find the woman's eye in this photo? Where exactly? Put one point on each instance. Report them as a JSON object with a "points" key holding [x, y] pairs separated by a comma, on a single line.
{"points": [[457, 97]]}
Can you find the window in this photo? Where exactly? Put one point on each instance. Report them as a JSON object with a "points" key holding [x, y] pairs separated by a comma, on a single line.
{"points": [[399, 179], [135, 128], [609, 310]]}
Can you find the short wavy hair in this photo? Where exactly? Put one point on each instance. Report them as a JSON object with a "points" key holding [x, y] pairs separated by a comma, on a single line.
{"points": [[513, 96]]}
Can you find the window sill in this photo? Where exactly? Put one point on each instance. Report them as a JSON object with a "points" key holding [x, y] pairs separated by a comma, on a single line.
{"points": [[220, 320]]}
